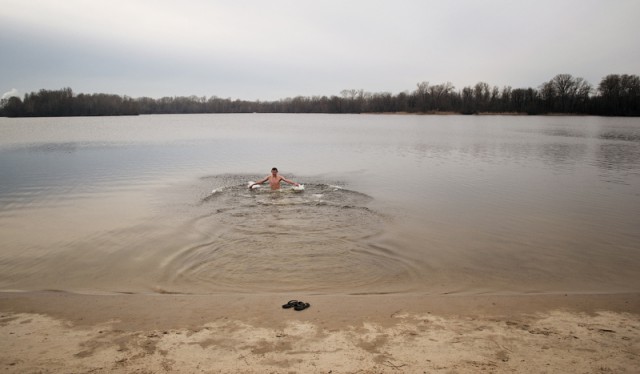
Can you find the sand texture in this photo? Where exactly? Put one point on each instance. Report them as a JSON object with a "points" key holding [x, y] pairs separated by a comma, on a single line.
{"points": [[48, 333]]}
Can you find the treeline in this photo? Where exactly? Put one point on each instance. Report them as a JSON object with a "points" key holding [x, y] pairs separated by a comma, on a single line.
{"points": [[63, 103], [616, 95]]}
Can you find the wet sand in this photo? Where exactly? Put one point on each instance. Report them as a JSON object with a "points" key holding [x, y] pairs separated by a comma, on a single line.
{"points": [[251, 333]]}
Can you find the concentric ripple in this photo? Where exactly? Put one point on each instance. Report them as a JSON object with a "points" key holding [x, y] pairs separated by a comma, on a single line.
{"points": [[323, 238]]}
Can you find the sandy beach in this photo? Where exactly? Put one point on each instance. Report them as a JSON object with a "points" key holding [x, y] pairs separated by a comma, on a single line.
{"points": [[54, 332]]}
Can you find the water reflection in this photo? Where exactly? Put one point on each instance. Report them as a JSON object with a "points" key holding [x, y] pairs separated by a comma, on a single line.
{"points": [[54, 147], [617, 160], [565, 132], [393, 203], [563, 154], [623, 136], [618, 152]]}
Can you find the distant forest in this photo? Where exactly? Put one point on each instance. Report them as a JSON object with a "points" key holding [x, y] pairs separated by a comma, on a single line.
{"points": [[616, 95]]}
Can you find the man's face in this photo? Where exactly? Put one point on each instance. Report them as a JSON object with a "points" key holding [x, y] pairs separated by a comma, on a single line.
{"points": [[274, 172]]}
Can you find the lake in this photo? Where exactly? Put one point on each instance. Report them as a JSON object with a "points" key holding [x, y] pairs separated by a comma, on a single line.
{"points": [[392, 204]]}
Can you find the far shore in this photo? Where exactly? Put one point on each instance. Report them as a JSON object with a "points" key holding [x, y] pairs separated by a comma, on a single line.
{"points": [[251, 333], [430, 113]]}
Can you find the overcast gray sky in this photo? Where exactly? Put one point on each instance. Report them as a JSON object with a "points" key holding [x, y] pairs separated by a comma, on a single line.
{"points": [[271, 49]]}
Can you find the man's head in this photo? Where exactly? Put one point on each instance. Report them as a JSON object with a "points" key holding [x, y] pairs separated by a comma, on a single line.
{"points": [[274, 170]]}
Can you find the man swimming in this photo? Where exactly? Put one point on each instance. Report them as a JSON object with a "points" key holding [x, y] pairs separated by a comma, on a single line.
{"points": [[274, 180]]}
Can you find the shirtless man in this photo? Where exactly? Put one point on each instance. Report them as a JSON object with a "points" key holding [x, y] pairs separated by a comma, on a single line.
{"points": [[274, 180]]}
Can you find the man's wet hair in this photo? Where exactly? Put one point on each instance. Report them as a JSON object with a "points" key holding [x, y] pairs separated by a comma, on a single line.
{"points": [[274, 168]]}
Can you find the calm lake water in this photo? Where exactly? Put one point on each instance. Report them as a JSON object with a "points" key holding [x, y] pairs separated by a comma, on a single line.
{"points": [[392, 204]]}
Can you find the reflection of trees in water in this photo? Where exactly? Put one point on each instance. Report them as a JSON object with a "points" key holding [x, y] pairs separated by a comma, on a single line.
{"points": [[562, 154], [618, 156], [625, 136], [68, 147], [611, 150], [565, 132], [619, 150]]}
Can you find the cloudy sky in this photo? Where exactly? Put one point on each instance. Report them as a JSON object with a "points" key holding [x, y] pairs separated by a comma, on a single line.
{"points": [[271, 49]]}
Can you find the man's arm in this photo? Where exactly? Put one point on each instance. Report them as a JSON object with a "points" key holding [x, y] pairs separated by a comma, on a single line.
{"points": [[288, 181], [260, 181]]}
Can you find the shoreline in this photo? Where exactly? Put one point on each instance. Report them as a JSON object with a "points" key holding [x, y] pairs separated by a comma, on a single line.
{"points": [[336, 310], [412, 333], [401, 113]]}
